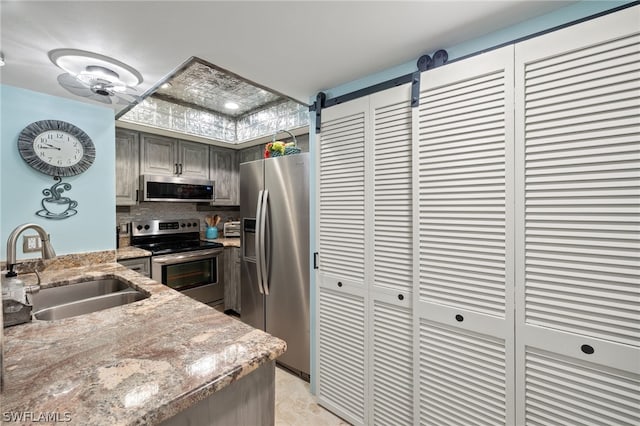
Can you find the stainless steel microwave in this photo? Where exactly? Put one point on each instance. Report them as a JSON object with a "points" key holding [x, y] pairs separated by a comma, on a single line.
{"points": [[170, 188]]}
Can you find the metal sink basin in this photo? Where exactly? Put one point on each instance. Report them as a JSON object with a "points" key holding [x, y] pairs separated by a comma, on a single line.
{"points": [[67, 301]]}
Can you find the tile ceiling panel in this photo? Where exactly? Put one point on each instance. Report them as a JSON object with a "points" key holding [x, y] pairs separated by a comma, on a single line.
{"points": [[194, 102], [206, 87]]}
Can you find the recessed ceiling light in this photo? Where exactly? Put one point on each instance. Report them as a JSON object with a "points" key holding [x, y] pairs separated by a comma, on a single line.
{"points": [[165, 85], [231, 105]]}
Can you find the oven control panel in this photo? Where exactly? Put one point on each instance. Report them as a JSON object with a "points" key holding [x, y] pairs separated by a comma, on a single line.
{"points": [[164, 227]]}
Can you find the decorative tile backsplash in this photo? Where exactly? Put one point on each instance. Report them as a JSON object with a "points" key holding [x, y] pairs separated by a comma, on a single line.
{"points": [[159, 210]]}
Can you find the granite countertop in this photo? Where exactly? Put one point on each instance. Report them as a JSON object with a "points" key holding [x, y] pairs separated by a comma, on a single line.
{"points": [[131, 252], [139, 363], [227, 242]]}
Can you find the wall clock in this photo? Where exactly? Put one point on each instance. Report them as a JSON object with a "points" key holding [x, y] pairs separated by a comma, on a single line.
{"points": [[56, 148]]}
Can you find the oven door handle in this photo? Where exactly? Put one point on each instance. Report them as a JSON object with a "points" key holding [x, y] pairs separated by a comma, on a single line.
{"points": [[181, 257], [257, 236], [263, 246]]}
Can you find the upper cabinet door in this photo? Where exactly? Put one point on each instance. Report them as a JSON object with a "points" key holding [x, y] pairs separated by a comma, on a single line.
{"points": [[193, 160], [158, 155], [251, 154], [127, 167], [224, 172], [168, 157]]}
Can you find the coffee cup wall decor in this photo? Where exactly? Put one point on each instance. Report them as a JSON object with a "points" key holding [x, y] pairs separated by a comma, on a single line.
{"points": [[54, 205], [56, 148]]}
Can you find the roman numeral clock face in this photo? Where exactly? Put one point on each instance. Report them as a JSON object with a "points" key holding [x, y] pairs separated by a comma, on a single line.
{"points": [[56, 148]]}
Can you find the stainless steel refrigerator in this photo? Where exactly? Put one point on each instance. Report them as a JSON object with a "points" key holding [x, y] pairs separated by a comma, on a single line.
{"points": [[274, 206]]}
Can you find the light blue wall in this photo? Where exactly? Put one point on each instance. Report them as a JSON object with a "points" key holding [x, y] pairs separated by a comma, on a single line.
{"points": [[545, 22], [93, 228]]}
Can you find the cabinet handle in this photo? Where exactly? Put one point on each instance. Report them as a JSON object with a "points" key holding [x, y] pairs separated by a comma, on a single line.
{"points": [[459, 318], [180, 168], [137, 195], [339, 283], [587, 349], [400, 297], [175, 168], [137, 268]]}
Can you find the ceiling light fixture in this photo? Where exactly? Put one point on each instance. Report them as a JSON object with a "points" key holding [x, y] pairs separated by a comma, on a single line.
{"points": [[165, 85], [76, 61], [96, 76], [231, 105]]}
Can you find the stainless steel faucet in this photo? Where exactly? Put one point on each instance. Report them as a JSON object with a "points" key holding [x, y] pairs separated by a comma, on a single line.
{"points": [[47, 249], [47, 253]]}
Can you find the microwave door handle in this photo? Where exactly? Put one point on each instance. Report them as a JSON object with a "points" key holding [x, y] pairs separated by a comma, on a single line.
{"points": [[263, 246], [257, 237]]}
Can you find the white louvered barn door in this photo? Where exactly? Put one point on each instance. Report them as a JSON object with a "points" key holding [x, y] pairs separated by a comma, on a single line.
{"points": [[391, 287], [578, 224], [341, 298], [464, 297]]}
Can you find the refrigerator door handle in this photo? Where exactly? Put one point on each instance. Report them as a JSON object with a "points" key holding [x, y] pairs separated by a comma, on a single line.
{"points": [[258, 233], [263, 246]]}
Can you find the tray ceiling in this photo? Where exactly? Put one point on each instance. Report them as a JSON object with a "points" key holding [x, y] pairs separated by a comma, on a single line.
{"points": [[295, 48]]}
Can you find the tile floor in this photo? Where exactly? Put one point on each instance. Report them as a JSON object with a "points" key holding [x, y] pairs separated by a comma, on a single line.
{"points": [[295, 406]]}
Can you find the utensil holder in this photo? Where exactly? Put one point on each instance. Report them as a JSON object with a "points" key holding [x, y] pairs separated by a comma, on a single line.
{"points": [[211, 233]]}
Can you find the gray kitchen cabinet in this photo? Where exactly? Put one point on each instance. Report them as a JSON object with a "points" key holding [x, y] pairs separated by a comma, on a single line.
{"points": [[251, 154], [141, 265], [158, 155], [127, 167], [170, 157], [232, 278], [193, 159], [223, 170]]}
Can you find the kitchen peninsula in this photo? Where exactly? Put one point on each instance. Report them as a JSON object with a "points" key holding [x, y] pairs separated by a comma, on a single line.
{"points": [[166, 359]]}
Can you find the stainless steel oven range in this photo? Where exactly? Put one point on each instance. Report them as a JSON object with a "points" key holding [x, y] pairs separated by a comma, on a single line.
{"points": [[180, 259]]}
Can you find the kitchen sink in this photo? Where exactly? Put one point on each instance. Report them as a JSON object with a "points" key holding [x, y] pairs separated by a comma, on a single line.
{"points": [[71, 300]]}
